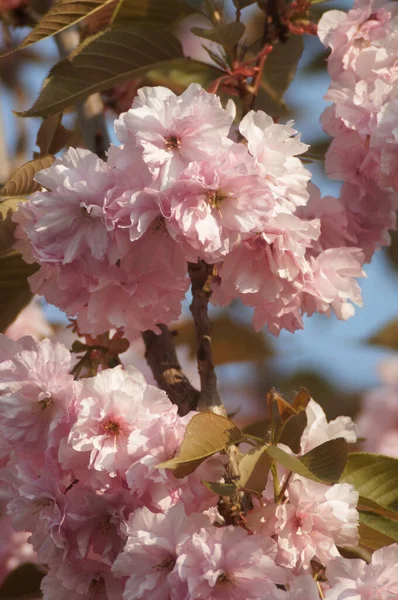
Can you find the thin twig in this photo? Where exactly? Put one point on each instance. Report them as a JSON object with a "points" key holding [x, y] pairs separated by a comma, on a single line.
{"points": [[162, 358], [274, 29], [201, 274]]}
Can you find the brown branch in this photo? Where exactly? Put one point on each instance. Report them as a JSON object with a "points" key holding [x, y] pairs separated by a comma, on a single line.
{"points": [[274, 29], [201, 274], [162, 358]]}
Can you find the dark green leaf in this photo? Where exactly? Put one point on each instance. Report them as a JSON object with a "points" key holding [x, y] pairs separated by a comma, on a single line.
{"points": [[52, 135], [226, 34], [22, 583], [392, 249], [243, 3], [103, 61], [328, 460], [15, 292], [280, 67], [290, 462], [323, 464], [7, 227], [139, 11], [387, 336]]}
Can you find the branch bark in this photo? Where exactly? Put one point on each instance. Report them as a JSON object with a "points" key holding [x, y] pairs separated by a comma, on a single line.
{"points": [[209, 398], [161, 356]]}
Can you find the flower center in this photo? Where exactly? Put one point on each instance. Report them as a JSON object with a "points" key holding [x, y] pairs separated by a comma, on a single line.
{"points": [[167, 564], [96, 588], [105, 525], [298, 522], [159, 224], [215, 197], [111, 427], [172, 143], [45, 404], [223, 578]]}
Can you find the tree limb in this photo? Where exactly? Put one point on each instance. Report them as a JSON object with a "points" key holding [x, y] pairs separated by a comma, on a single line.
{"points": [[201, 274], [161, 356]]}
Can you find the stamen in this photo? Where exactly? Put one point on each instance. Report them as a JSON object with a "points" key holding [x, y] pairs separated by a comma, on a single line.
{"points": [[215, 197], [111, 427], [172, 143]]}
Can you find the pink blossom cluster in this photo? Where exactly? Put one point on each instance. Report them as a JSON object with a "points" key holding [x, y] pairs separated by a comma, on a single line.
{"points": [[378, 419], [79, 474], [363, 119], [78, 457], [113, 238]]}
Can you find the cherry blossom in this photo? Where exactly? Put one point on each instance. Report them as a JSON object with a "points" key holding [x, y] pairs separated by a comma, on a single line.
{"points": [[37, 394], [227, 563], [215, 204], [311, 525], [175, 130], [275, 147], [318, 430], [378, 418], [151, 551], [354, 579], [112, 409]]}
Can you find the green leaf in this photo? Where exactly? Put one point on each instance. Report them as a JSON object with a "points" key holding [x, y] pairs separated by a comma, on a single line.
{"points": [[153, 11], [369, 506], [243, 3], [254, 469], [15, 292], [205, 435], [380, 531], [372, 538], [61, 16], [387, 337], [231, 341], [328, 460], [226, 34], [7, 227], [103, 61], [221, 489], [316, 151], [139, 11], [22, 180], [392, 249], [374, 476], [323, 464], [22, 583], [52, 135], [279, 70]]}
